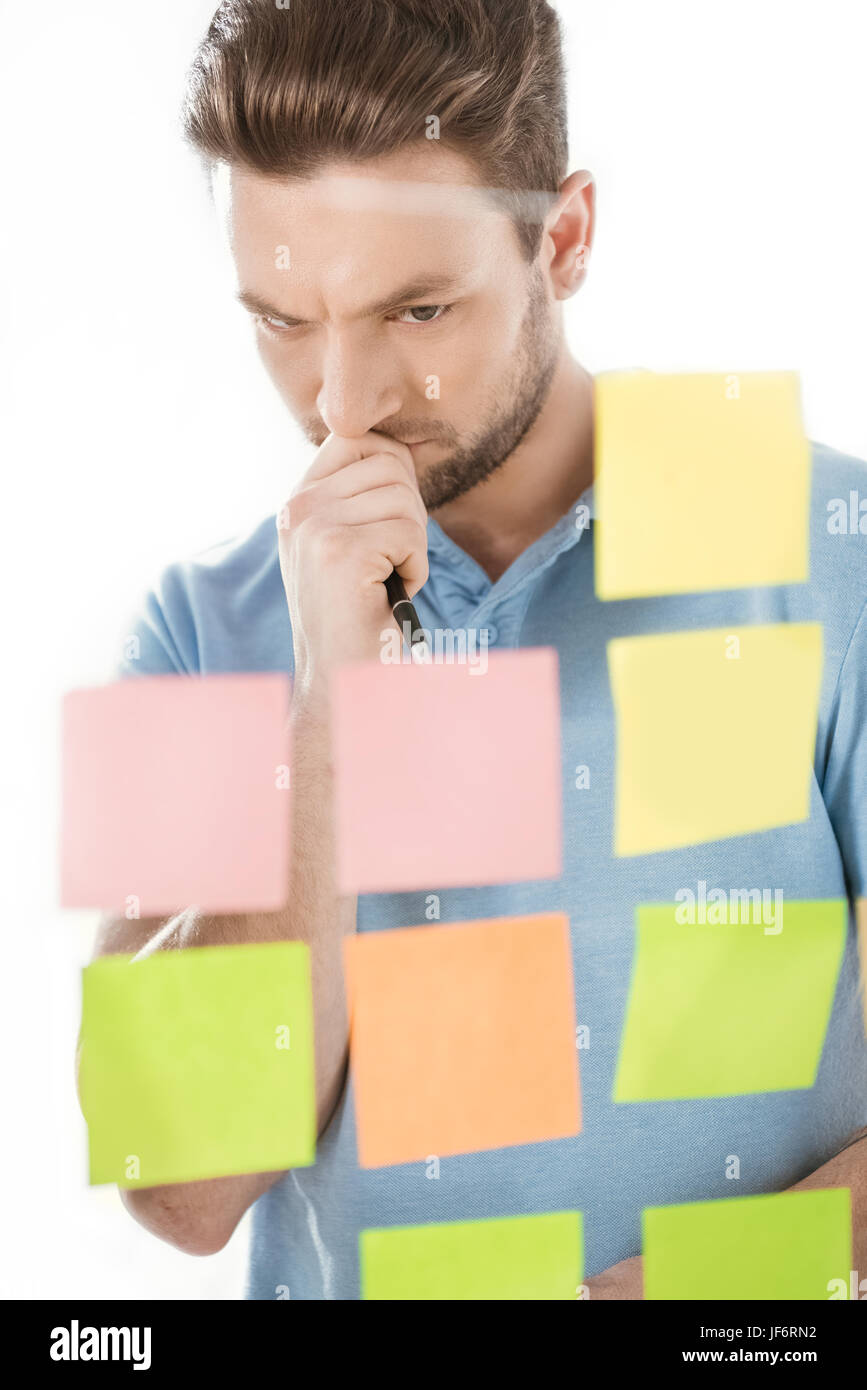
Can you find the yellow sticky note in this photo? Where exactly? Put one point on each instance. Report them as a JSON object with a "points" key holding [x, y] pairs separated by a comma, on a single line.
{"points": [[716, 732], [198, 1063], [730, 995], [788, 1245], [516, 1257], [701, 482]]}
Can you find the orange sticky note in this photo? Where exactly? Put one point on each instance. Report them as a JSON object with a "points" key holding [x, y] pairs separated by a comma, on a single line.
{"points": [[176, 794], [462, 1037], [447, 775]]}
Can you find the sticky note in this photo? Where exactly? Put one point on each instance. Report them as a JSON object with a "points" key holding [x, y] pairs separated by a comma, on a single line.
{"points": [[198, 1063], [447, 775], [701, 482], [736, 1003], [788, 1245], [176, 794], [517, 1257], [861, 917], [716, 731], [462, 1037]]}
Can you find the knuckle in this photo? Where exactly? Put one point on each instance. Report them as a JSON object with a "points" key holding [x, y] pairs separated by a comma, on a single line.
{"points": [[401, 464], [404, 492], [330, 542], [402, 453], [391, 466], [295, 510]]}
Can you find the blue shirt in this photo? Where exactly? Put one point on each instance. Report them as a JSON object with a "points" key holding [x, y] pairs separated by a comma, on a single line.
{"points": [[226, 611]]}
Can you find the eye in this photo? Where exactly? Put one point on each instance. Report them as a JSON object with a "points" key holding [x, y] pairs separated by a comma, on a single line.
{"points": [[271, 324], [427, 313]]}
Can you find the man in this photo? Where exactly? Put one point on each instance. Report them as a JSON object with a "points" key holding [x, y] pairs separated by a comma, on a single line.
{"points": [[393, 175]]}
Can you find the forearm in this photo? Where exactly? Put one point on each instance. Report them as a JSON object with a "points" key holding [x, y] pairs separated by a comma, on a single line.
{"points": [[848, 1168], [316, 914]]}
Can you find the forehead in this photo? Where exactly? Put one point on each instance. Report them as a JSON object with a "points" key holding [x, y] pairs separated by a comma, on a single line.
{"points": [[364, 225]]}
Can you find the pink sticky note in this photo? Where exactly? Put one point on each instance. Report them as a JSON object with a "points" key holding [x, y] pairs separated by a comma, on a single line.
{"points": [[447, 775], [176, 794]]}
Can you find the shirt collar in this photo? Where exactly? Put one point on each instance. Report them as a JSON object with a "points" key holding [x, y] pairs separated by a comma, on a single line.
{"points": [[564, 528], [457, 581]]}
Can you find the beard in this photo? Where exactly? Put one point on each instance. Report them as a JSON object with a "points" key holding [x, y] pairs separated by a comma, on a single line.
{"points": [[515, 406]]}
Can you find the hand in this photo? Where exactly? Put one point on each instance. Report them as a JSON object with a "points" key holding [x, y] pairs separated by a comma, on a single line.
{"points": [[624, 1281], [356, 515]]}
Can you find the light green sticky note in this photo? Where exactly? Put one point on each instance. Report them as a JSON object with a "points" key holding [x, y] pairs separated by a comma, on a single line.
{"points": [[198, 1063], [515, 1257], [788, 1245], [716, 731], [729, 1007], [702, 481]]}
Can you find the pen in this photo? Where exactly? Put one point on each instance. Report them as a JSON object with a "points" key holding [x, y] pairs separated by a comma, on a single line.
{"points": [[403, 610]]}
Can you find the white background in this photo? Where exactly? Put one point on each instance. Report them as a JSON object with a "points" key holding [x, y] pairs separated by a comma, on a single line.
{"points": [[728, 144]]}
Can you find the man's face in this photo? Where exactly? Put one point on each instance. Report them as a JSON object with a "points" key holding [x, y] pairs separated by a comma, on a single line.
{"points": [[394, 296]]}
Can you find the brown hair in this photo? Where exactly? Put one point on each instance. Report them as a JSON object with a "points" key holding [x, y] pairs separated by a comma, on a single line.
{"points": [[283, 90]]}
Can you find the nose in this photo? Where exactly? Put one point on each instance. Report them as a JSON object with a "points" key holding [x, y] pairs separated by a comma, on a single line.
{"points": [[359, 386]]}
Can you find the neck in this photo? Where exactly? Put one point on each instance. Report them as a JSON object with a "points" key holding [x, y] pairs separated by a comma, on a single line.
{"points": [[536, 485]]}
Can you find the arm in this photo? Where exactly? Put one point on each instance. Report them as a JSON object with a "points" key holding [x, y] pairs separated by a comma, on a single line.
{"points": [[356, 515], [848, 1168]]}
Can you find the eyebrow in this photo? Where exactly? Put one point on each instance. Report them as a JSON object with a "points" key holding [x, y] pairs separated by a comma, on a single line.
{"points": [[416, 292]]}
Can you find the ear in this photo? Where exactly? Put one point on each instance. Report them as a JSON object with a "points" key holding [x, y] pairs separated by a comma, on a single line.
{"points": [[568, 234]]}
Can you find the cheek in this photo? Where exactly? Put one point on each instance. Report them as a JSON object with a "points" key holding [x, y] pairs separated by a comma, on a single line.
{"points": [[293, 375], [472, 363]]}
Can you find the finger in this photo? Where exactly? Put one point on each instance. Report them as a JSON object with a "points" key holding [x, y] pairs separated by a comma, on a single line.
{"points": [[396, 545], [390, 498], [391, 502], [376, 471], [338, 451]]}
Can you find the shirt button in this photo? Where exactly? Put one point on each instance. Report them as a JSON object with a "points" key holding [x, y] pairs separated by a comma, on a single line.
{"points": [[493, 634]]}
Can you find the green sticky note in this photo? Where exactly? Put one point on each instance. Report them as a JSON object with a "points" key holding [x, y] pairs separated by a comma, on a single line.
{"points": [[198, 1063], [515, 1257], [788, 1245], [716, 732], [702, 481], [733, 1006]]}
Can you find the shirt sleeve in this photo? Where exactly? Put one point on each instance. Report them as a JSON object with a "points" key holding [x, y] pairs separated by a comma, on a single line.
{"points": [[160, 637], [845, 783]]}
